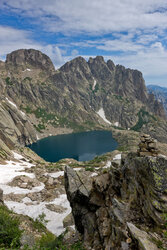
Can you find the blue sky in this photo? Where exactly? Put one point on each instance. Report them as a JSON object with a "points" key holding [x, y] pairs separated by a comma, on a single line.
{"points": [[129, 32]]}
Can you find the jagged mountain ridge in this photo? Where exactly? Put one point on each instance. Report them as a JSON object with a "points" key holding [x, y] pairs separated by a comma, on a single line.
{"points": [[160, 93], [72, 95]]}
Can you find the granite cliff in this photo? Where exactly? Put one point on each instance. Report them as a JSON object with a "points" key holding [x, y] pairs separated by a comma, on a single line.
{"points": [[37, 100]]}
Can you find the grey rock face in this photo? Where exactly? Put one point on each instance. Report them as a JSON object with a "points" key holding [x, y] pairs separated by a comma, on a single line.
{"points": [[29, 57], [122, 207], [73, 95], [14, 126]]}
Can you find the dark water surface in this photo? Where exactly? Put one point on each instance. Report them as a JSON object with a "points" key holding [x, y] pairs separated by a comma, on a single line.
{"points": [[82, 146]]}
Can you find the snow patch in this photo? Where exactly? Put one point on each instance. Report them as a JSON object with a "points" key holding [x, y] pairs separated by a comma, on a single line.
{"points": [[12, 169], [94, 174], [117, 157], [55, 220], [77, 169], [102, 115], [33, 208], [26, 70], [23, 114], [17, 156], [116, 124], [13, 104], [108, 164], [56, 174], [94, 85], [16, 190]]}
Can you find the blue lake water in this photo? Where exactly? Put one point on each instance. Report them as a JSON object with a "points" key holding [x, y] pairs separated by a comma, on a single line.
{"points": [[82, 146]]}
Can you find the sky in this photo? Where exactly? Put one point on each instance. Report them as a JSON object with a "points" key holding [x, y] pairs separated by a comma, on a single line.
{"points": [[132, 33]]}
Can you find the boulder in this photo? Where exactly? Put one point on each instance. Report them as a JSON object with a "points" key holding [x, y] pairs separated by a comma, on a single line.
{"points": [[142, 237], [56, 208], [121, 209], [68, 220]]}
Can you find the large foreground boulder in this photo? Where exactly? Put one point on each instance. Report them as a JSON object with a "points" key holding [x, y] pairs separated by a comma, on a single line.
{"points": [[124, 208]]}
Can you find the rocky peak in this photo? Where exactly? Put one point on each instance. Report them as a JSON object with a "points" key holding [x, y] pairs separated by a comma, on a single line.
{"points": [[97, 59], [77, 64], [29, 58], [130, 83], [100, 69], [111, 65]]}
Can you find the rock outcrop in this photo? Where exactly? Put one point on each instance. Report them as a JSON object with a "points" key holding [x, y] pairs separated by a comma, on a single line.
{"points": [[29, 58], [124, 208], [15, 128]]}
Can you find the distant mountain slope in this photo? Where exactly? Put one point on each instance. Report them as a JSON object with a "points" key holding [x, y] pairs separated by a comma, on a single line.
{"points": [[160, 94], [81, 95]]}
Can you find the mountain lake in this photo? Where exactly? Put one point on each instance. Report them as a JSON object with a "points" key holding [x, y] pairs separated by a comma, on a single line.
{"points": [[82, 146]]}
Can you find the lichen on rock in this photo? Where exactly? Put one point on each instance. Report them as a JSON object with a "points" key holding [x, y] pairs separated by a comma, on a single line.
{"points": [[123, 208]]}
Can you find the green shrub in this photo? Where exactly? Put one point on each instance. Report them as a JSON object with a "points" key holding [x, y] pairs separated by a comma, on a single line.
{"points": [[143, 118], [51, 242], [8, 81], [28, 110], [10, 233], [39, 127], [27, 79], [91, 169], [40, 222]]}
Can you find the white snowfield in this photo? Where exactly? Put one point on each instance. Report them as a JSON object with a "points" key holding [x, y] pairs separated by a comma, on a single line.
{"points": [[55, 220], [102, 115], [33, 209]]}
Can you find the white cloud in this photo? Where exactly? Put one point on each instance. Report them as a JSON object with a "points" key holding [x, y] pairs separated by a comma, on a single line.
{"points": [[92, 16], [12, 39], [54, 53], [74, 52]]}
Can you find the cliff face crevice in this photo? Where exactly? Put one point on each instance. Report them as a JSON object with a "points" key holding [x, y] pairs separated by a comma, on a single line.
{"points": [[124, 208]]}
